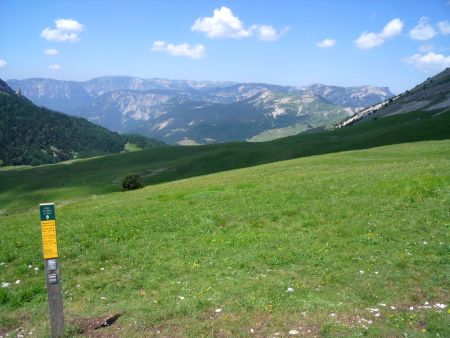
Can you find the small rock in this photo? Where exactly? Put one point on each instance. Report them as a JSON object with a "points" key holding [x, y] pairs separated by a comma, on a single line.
{"points": [[333, 315], [440, 306], [381, 304], [377, 314], [294, 332], [392, 307], [252, 331], [218, 310]]}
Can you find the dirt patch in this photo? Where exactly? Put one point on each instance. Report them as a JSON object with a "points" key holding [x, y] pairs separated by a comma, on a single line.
{"points": [[153, 172], [3, 331], [91, 327]]}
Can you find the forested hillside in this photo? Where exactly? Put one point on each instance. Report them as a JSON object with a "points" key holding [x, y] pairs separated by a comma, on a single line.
{"points": [[34, 135]]}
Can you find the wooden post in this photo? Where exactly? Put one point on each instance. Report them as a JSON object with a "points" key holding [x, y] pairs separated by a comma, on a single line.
{"points": [[52, 275]]}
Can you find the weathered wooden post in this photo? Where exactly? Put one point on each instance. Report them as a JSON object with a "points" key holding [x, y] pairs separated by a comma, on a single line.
{"points": [[52, 276]]}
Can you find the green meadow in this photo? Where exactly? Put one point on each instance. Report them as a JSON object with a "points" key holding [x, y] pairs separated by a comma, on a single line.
{"points": [[24, 188], [346, 244]]}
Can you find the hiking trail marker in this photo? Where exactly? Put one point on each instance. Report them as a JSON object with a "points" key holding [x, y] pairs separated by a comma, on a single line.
{"points": [[52, 275]]}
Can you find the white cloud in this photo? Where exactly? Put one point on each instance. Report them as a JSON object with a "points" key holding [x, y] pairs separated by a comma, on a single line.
{"points": [[54, 67], [369, 40], [51, 51], [392, 29], [266, 32], [444, 27], [66, 30], [327, 43], [70, 25], [3, 63], [224, 24], [430, 62], [423, 30], [184, 49]]}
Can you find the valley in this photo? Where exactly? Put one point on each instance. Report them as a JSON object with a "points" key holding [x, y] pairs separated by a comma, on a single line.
{"points": [[69, 181]]}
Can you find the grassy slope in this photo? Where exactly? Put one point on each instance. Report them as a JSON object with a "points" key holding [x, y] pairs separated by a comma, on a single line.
{"points": [[79, 179], [237, 240]]}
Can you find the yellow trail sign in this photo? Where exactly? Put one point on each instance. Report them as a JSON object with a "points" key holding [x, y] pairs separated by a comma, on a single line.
{"points": [[49, 244]]}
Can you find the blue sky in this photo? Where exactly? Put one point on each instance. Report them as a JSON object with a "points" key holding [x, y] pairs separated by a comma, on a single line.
{"points": [[353, 42]]}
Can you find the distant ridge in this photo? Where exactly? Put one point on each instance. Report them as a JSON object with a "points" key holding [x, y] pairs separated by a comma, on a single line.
{"points": [[432, 94]]}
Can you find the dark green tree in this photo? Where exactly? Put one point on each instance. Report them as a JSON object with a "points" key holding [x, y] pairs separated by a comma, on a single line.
{"points": [[132, 182]]}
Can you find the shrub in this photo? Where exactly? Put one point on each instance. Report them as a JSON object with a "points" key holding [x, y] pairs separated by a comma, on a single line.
{"points": [[132, 182]]}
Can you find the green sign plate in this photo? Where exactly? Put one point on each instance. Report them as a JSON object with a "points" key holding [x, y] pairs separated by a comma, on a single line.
{"points": [[47, 211]]}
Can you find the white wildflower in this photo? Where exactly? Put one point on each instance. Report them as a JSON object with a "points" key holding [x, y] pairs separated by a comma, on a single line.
{"points": [[294, 332], [5, 285], [218, 310], [181, 297], [290, 289], [18, 282]]}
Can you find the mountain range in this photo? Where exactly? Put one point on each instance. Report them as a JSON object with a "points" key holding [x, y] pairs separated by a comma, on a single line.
{"points": [[200, 112]]}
